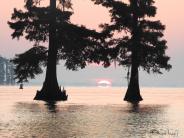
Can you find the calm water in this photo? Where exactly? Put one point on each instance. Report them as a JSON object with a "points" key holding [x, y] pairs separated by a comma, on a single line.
{"points": [[92, 113]]}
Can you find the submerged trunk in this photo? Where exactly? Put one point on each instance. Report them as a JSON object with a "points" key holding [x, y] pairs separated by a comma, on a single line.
{"points": [[50, 90], [133, 92]]}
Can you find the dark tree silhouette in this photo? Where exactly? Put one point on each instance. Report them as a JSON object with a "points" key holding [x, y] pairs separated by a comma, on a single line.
{"points": [[67, 41], [141, 42]]}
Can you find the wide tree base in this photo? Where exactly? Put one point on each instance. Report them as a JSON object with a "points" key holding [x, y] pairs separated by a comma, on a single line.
{"points": [[48, 96], [133, 98]]}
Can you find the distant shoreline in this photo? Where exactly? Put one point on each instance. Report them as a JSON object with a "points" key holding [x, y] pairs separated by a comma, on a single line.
{"points": [[93, 86]]}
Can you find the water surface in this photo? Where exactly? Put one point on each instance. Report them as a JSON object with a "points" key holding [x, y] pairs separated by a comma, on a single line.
{"points": [[92, 113]]}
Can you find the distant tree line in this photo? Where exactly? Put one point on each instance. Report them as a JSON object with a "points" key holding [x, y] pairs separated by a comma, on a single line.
{"points": [[6, 72]]}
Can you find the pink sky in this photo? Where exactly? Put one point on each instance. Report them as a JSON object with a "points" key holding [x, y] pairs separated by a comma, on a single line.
{"points": [[169, 12]]}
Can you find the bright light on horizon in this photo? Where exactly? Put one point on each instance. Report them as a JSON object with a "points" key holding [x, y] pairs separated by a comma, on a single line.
{"points": [[104, 83]]}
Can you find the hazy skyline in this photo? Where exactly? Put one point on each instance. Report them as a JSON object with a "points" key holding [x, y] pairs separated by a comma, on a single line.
{"points": [[170, 13]]}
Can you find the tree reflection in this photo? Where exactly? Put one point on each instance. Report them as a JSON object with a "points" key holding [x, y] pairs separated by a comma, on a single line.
{"points": [[52, 106]]}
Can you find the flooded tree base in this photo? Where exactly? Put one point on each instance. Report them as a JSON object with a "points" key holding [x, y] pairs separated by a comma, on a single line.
{"points": [[133, 98], [48, 96]]}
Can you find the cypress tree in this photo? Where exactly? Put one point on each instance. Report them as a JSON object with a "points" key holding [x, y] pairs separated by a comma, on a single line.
{"points": [[141, 42], [66, 42]]}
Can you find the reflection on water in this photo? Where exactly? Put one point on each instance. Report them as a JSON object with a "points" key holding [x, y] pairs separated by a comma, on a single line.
{"points": [[51, 106], [34, 119], [135, 107], [50, 121]]}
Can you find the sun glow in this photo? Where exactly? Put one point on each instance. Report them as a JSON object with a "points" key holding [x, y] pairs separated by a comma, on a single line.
{"points": [[104, 83]]}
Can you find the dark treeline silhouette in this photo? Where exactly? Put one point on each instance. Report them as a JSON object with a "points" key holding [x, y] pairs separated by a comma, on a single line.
{"points": [[6, 72], [141, 43], [67, 42]]}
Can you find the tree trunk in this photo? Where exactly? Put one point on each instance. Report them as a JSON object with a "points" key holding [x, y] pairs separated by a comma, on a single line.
{"points": [[133, 92], [50, 90]]}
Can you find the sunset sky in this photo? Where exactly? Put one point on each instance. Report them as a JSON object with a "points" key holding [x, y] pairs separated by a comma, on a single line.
{"points": [[171, 13]]}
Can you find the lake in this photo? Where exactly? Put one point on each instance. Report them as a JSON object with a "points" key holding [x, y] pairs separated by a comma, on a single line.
{"points": [[92, 112]]}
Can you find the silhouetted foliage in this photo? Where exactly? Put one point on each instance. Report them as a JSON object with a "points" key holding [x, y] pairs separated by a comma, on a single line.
{"points": [[141, 42], [67, 41], [29, 63]]}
